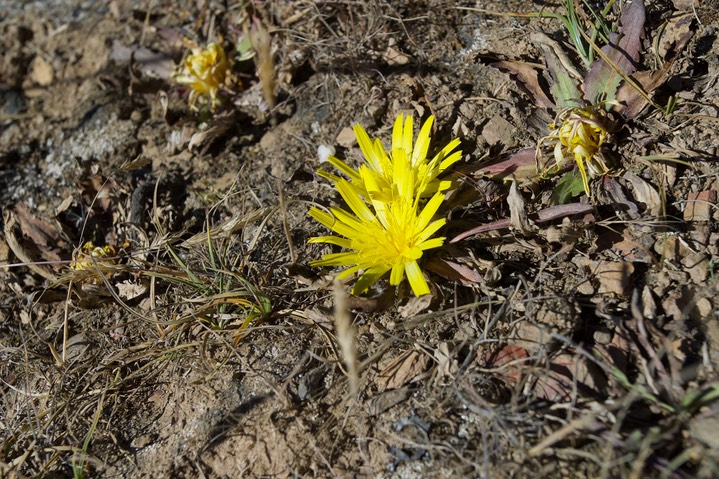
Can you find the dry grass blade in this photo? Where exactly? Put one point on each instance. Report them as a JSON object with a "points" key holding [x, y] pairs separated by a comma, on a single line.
{"points": [[346, 337]]}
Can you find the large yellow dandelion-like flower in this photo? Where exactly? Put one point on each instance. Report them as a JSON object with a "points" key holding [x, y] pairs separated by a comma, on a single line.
{"points": [[204, 71], [579, 137], [391, 239], [376, 178], [390, 224]]}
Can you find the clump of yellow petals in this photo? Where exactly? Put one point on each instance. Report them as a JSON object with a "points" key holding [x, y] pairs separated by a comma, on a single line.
{"points": [[377, 176], [579, 137], [391, 223], [204, 71], [93, 258]]}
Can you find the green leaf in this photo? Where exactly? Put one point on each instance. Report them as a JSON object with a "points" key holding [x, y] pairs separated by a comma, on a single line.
{"points": [[570, 186], [564, 88], [244, 48]]}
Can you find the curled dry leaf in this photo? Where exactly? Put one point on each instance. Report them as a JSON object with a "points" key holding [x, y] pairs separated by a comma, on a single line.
{"points": [[464, 269], [645, 193], [519, 165], [528, 77], [447, 365], [518, 212]]}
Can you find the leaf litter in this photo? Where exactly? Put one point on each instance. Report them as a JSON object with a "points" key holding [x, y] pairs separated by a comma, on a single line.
{"points": [[570, 325]]}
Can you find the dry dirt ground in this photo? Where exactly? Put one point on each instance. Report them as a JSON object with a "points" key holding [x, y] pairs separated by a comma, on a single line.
{"points": [[585, 347]]}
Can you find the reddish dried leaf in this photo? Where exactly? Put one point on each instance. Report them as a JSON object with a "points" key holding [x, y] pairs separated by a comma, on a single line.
{"points": [[548, 214], [604, 77], [508, 361], [519, 165]]}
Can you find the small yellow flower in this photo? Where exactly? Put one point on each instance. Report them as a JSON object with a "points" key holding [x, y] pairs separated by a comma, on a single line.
{"points": [[204, 71], [93, 258], [580, 137], [376, 178], [390, 225]]}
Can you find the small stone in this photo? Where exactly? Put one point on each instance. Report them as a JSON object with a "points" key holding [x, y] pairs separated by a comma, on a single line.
{"points": [[394, 57], [700, 205], [141, 441], [704, 307], [672, 247], [498, 130], [697, 264], [41, 72], [615, 277], [586, 288], [649, 306], [346, 137], [602, 337]]}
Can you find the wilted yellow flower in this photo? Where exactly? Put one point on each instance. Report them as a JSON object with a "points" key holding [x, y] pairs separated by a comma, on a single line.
{"points": [[390, 225], [376, 177], [204, 71], [579, 137], [92, 258]]}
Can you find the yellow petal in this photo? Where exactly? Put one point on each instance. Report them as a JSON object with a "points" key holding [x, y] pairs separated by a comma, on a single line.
{"points": [[422, 145], [416, 278]]}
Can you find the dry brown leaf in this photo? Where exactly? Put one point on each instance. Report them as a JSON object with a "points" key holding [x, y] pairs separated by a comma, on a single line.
{"points": [[677, 32], [644, 193], [518, 213], [402, 370], [507, 362], [415, 305], [32, 240], [568, 373], [454, 271], [129, 290], [529, 78]]}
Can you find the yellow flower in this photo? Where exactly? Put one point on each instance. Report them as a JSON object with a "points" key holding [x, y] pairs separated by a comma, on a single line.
{"points": [[204, 71], [390, 225], [580, 137], [392, 238], [377, 177], [93, 258]]}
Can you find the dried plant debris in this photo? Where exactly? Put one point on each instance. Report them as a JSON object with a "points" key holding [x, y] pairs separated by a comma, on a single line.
{"points": [[373, 239]]}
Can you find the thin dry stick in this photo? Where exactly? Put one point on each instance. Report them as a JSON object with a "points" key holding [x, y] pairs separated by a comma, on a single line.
{"points": [[285, 224], [346, 335]]}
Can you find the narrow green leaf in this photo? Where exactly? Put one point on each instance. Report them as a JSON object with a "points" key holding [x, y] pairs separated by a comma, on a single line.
{"points": [[563, 87]]}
